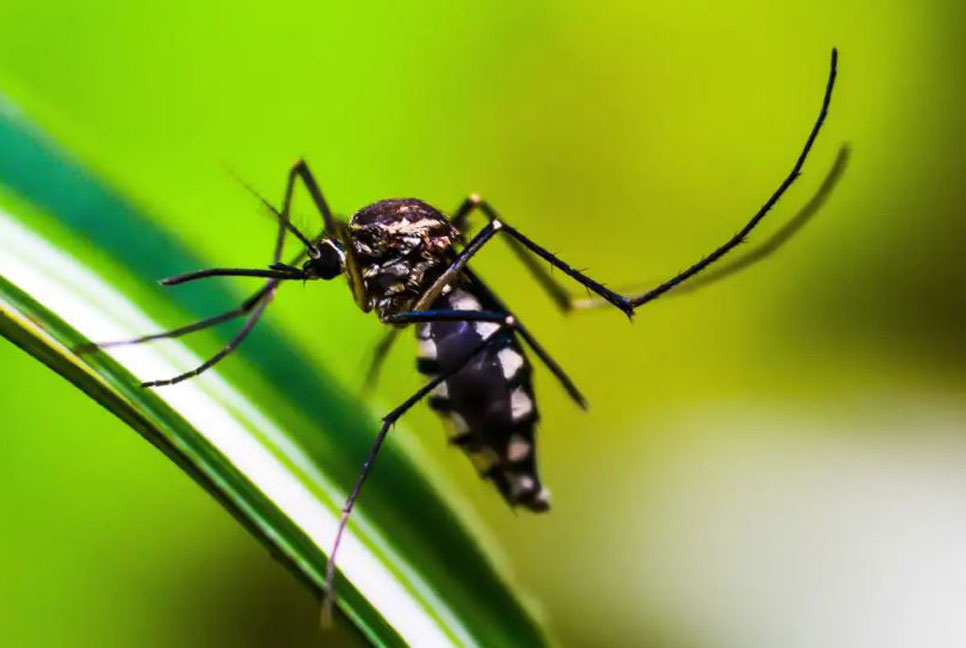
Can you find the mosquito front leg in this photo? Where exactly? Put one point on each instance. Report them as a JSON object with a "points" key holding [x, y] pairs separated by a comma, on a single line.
{"points": [[254, 306], [301, 170], [275, 273], [245, 308], [334, 231], [228, 348]]}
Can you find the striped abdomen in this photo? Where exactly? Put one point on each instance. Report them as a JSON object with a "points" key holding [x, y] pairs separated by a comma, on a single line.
{"points": [[488, 406]]}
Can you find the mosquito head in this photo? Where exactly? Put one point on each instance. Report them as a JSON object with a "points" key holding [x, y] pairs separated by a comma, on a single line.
{"points": [[327, 260]]}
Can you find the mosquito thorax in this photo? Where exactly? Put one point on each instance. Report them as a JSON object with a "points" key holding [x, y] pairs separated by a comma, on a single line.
{"points": [[402, 245]]}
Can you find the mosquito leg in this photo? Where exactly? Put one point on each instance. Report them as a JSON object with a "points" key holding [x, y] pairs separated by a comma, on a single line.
{"points": [[605, 293], [551, 286], [258, 301], [781, 236], [378, 358], [503, 317], [750, 225], [387, 422], [301, 170], [629, 304], [554, 368], [245, 307], [333, 230], [382, 348], [759, 252], [461, 215], [483, 237], [457, 266], [228, 348], [255, 305], [531, 341], [276, 270], [448, 315]]}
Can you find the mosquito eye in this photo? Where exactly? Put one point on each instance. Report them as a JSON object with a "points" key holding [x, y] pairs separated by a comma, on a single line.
{"points": [[329, 263]]}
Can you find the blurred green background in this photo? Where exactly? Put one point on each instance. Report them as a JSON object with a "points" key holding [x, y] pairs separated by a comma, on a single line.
{"points": [[777, 460]]}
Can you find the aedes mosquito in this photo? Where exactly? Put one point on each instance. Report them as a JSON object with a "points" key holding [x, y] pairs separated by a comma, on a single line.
{"points": [[408, 262]]}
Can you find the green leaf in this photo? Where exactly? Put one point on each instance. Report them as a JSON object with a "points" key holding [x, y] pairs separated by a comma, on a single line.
{"points": [[278, 449]]}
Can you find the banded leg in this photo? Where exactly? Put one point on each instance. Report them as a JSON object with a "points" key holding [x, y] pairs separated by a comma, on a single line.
{"points": [[625, 303], [387, 422]]}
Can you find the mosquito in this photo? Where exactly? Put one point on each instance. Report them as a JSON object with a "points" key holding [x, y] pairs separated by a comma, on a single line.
{"points": [[408, 262]]}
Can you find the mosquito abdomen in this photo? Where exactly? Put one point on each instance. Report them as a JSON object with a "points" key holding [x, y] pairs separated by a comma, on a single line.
{"points": [[489, 405]]}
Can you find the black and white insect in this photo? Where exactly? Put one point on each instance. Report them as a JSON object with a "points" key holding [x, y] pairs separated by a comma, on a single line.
{"points": [[408, 262]]}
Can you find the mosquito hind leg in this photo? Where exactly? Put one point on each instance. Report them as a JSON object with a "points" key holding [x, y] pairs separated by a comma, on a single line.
{"points": [[629, 303], [757, 253], [494, 227], [782, 235]]}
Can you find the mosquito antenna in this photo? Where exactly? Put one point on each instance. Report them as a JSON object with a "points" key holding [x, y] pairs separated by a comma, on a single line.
{"points": [[285, 222]]}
